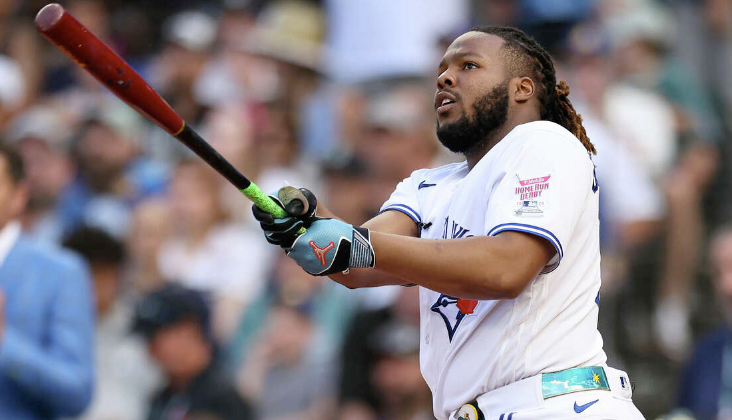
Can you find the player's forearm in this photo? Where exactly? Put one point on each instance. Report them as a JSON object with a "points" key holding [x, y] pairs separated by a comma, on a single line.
{"points": [[358, 278], [471, 268]]}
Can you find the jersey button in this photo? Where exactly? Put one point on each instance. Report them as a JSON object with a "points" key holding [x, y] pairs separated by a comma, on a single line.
{"points": [[427, 339]]}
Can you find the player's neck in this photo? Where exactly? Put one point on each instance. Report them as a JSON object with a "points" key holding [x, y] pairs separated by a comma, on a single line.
{"points": [[476, 153]]}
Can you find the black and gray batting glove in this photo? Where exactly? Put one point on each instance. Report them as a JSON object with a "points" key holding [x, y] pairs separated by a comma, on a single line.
{"points": [[283, 232]]}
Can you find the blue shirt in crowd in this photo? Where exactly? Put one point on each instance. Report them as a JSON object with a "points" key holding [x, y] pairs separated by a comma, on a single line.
{"points": [[702, 382], [46, 332]]}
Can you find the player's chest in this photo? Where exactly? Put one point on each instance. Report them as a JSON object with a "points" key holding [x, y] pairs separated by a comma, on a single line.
{"points": [[454, 210]]}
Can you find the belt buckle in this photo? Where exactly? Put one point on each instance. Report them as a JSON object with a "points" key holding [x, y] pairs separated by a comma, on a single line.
{"points": [[470, 411]]}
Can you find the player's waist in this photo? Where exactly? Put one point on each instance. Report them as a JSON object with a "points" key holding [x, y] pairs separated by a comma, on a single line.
{"points": [[529, 393]]}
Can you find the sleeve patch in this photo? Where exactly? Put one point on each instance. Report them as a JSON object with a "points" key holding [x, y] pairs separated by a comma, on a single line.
{"points": [[528, 196]]}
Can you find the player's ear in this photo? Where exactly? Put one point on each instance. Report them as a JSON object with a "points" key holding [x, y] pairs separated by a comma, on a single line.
{"points": [[522, 88]]}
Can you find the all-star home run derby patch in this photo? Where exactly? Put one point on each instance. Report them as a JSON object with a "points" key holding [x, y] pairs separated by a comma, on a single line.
{"points": [[528, 193]]}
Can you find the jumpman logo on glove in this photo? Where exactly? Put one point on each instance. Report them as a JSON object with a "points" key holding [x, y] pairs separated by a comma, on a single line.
{"points": [[320, 252]]}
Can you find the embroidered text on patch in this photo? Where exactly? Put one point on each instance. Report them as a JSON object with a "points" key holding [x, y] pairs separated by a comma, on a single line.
{"points": [[528, 193]]}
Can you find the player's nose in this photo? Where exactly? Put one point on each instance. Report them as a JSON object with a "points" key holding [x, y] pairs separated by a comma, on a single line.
{"points": [[445, 79]]}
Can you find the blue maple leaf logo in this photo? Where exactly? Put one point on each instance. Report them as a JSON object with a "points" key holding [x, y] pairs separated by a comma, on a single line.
{"points": [[444, 309]]}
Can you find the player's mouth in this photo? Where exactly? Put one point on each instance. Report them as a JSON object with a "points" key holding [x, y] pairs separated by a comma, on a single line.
{"points": [[444, 101]]}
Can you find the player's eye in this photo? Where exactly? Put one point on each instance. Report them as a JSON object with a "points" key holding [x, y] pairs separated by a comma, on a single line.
{"points": [[469, 65]]}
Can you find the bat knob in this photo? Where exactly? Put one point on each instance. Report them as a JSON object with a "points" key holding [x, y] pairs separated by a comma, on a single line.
{"points": [[296, 207], [293, 199]]}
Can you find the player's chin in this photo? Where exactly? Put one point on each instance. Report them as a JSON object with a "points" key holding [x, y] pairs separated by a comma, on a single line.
{"points": [[446, 116]]}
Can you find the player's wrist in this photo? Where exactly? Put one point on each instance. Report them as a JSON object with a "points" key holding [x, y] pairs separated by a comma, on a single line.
{"points": [[362, 251], [331, 246]]}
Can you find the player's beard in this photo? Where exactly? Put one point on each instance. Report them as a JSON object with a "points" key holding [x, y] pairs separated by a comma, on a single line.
{"points": [[490, 113]]}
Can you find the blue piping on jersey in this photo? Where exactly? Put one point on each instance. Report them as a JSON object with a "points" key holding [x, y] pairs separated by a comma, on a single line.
{"points": [[554, 240], [534, 230], [406, 210]]}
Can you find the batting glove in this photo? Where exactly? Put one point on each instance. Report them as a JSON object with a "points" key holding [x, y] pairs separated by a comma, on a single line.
{"points": [[282, 232], [330, 246]]}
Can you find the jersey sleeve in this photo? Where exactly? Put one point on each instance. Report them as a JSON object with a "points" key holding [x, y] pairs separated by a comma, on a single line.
{"points": [[404, 198], [542, 190]]}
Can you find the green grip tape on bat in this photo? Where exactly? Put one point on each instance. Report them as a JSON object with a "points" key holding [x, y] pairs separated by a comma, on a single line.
{"points": [[264, 202]]}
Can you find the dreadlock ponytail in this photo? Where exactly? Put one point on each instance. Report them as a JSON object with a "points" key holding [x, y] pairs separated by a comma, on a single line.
{"points": [[567, 117]]}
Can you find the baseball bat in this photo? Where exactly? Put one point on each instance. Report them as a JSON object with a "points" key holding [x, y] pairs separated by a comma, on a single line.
{"points": [[65, 32]]}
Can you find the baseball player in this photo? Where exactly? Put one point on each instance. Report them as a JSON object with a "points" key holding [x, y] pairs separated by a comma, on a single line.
{"points": [[504, 246]]}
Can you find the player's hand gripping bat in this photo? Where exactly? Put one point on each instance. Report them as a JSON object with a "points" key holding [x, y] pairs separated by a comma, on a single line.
{"points": [[71, 37]]}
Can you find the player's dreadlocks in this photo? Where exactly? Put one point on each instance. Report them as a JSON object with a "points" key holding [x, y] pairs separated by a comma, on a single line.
{"points": [[529, 56]]}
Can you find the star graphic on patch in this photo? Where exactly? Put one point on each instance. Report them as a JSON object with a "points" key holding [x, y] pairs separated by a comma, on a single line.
{"points": [[596, 378]]}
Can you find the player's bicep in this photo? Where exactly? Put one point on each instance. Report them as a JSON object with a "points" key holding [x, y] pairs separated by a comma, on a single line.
{"points": [[525, 254], [394, 222]]}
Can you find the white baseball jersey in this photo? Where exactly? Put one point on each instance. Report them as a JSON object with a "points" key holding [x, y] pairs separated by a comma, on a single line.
{"points": [[539, 180]]}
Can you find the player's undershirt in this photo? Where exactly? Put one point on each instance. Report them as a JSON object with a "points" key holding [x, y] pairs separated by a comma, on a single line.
{"points": [[540, 180]]}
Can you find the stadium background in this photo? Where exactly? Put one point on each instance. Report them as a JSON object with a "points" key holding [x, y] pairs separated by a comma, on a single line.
{"points": [[336, 95]]}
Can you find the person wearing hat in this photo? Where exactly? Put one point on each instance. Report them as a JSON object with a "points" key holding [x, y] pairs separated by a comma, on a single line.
{"points": [[176, 323], [395, 375], [41, 136], [112, 172], [119, 394]]}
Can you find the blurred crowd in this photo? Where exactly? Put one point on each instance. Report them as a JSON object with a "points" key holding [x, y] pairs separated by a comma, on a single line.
{"points": [[135, 284]]}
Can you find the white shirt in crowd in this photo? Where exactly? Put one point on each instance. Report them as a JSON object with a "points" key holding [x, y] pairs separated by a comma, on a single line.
{"points": [[9, 234], [230, 262]]}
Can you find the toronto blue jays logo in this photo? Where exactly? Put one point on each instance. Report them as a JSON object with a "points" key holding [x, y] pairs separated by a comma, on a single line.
{"points": [[453, 310], [456, 232]]}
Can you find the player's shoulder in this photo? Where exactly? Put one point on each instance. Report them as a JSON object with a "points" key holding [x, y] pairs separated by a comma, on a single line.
{"points": [[545, 137], [438, 173]]}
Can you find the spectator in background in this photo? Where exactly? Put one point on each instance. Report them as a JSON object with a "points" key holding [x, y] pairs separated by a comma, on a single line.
{"points": [[361, 390], [261, 141], [396, 373], [233, 74], [643, 37], [12, 88], [189, 37], [330, 309], [402, 36], [42, 138], [398, 132], [126, 377], [705, 387], [74, 90], [209, 252], [290, 33], [346, 177], [46, 316], [287, 372], [356, 192], [113, 175], [176, 323], [550, 21], [20, 47], [706, 49], [151, 226]]}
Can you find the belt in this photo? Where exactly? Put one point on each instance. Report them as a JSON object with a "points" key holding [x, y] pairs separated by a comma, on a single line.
{"points": [[531, 392], [587, 378]]}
